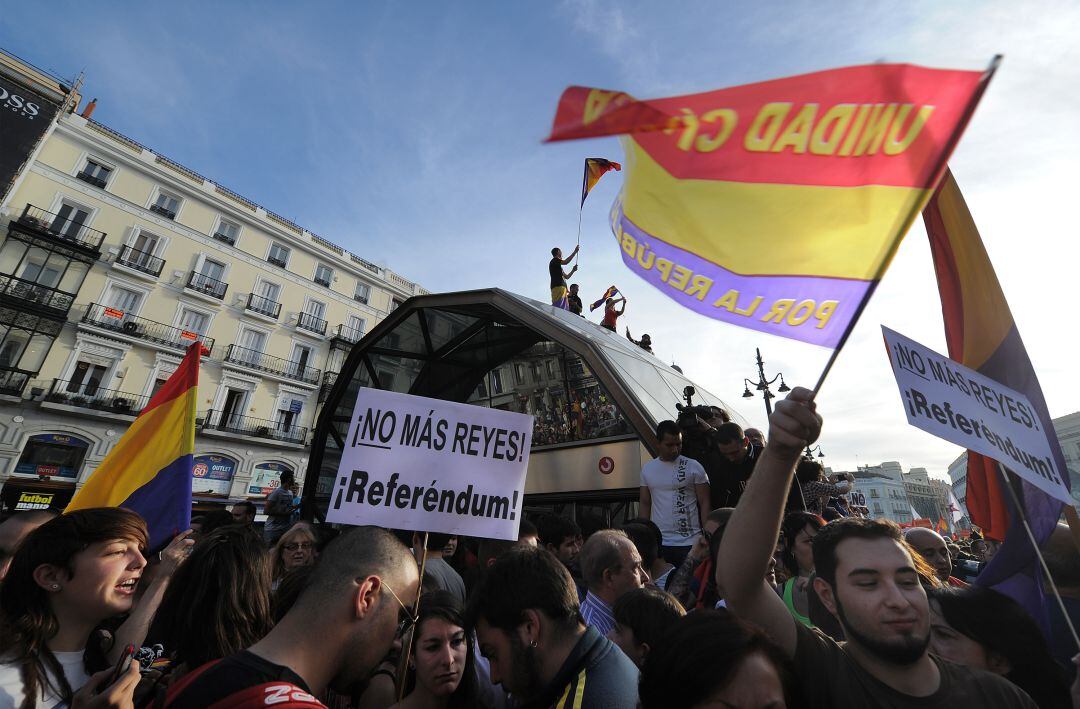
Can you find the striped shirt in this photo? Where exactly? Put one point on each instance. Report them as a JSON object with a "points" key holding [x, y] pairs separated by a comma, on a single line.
{"points": [[597, 614]]}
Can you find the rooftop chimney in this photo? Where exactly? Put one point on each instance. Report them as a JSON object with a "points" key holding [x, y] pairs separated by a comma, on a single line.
{"points": [[89, 108]]}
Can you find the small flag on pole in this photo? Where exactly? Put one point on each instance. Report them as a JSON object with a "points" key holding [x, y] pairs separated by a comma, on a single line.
{"points": [[611, 292], [595, 168], [149, 469]]}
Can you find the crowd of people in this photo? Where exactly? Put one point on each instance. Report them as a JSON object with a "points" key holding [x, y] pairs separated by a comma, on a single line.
{"points": [[748, 604]]}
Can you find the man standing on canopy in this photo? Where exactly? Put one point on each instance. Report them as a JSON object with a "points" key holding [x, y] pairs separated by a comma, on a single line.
{"points": [[558, 278]]}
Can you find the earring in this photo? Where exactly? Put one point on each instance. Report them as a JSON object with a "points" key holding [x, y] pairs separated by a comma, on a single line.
{"points": [[56, 587], [533, 644]]}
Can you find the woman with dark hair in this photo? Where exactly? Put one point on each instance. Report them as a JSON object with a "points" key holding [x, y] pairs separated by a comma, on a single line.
{"points": [[442, 672], [218, 602], [712, 658], [68, 576], [798, 532], [981, 628]]}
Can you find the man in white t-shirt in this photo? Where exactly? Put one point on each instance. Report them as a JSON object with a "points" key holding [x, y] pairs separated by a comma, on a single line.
{"points": [[674, 494]]}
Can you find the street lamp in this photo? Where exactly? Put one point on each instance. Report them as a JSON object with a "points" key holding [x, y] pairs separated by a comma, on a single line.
{"points": [[816, 449], [762, 384]]}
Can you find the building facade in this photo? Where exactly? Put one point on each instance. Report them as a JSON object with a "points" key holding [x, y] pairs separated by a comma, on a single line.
{"points": [[884, 490], [929, 497], [114, 259]]}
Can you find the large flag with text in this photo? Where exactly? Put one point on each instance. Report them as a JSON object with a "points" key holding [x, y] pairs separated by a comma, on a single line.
{"points": [[982, 335], [149, 469], [777, 206]]}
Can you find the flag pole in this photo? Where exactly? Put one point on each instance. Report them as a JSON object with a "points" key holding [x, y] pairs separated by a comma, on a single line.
{"points": [[1038, 553], [939, 171], [581, 209], [403, 662]]}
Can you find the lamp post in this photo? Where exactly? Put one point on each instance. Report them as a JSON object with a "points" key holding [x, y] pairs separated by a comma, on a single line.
{"points": [[816, 449], [762, 384]]}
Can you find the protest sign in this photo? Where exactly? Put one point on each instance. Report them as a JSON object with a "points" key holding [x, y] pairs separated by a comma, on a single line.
{"points": [[964, 407], [425, 464]]}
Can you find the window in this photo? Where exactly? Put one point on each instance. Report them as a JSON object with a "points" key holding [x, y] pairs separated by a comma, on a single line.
{"points": [[363, 292], [324, 275], [212, 269], [551, 373], [315, 309], [395, 303], [95, 172], [254, 341], [70, 220], [279, 255], [227, 231], [313, 317], [166, 204], [496, 381], [519, 373], [86, 378], [355, 327], [142, 252], [193, 321], [269, 291], [301, 356], [874, 492], [158, 383], [877, 508], [146, 242], [126, 300]]}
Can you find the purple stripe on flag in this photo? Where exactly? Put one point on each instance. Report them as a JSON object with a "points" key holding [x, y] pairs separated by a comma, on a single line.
{"points": [[814, 309], [165, 501]]}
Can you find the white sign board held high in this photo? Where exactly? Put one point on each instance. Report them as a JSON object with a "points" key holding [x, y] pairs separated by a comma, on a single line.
{"points": [[438, 466], [956, 403]]}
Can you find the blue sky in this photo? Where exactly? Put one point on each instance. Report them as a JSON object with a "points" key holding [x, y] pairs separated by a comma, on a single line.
{"points": [[410, 133]]}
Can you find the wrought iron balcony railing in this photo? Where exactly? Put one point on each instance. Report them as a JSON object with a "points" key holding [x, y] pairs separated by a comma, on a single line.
{"points": [[140, 260], [13, 381], [35, 294], [249, 426], [307, 321], [92, 179], [127, 324], [205, 284], [88, 396], [163, 211], [263, 306], [66, 230], [344, 332], [253, 359]]}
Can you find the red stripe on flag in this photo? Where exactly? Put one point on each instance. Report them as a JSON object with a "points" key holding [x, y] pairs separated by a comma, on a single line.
{"points": [[185, 377]]}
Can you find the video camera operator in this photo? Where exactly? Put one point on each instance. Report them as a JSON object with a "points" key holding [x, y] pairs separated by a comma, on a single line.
{"points": [[699, 425]]}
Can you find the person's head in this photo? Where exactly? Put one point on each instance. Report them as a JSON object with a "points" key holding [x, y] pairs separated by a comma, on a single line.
{"points": [[646, 341], [74, 571], [358, 599], [719, 417], [669, 440], [528, 534], [556, 252], [808, 471], [642, 617], [218, 601], [294, 549], [525, 606], [436, 542], [981, 628], [754, 435], [215, 519], [713, 659], [798, 531], [574, 288], [288, 479], [954, 550], [984, 549], [561, 536], [243, 512], [868, 579], [450, 547], [645, 541], [731, 442], [441, 659], [14, 529], [611, 565], [1063, 561], [932, 548]]}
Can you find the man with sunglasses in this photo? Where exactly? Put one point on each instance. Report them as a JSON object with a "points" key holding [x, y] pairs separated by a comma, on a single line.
{"points": [[356, 603]]}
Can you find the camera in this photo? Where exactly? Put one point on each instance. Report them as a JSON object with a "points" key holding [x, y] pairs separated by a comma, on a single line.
{"points": [[689, 415]]}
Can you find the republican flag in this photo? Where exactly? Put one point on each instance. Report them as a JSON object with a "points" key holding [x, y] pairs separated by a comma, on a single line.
{"points": [[595, 168], [981, 334], [955, 510], [777, 206], [149, 469], [611, 292], [942, 527]]}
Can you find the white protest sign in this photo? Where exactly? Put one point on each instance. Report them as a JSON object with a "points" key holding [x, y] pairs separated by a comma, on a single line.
{"points": [[956, 403], [425, 464]]}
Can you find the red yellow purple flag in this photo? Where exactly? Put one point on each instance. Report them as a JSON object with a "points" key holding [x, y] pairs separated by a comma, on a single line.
{"points": [[777, 206], [149, 469], [595, 168]]}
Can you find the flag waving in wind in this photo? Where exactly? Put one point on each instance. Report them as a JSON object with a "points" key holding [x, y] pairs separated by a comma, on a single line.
{"points": [[611, 292], [777, 206], [149, 469], [595, 168]]}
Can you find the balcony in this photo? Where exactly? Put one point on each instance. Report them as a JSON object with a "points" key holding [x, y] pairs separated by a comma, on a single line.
{"points": [[140, 261], [322, 282], [256, 428], [348, 334], [309, 322], [221, 236], [279, 262], [36, 296], [13, 381], [38, 221], [263, 306], [328, 381], [206, 285], [91, 179], [163, 211], [87, 396], [122, 323], [253, 359]]}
